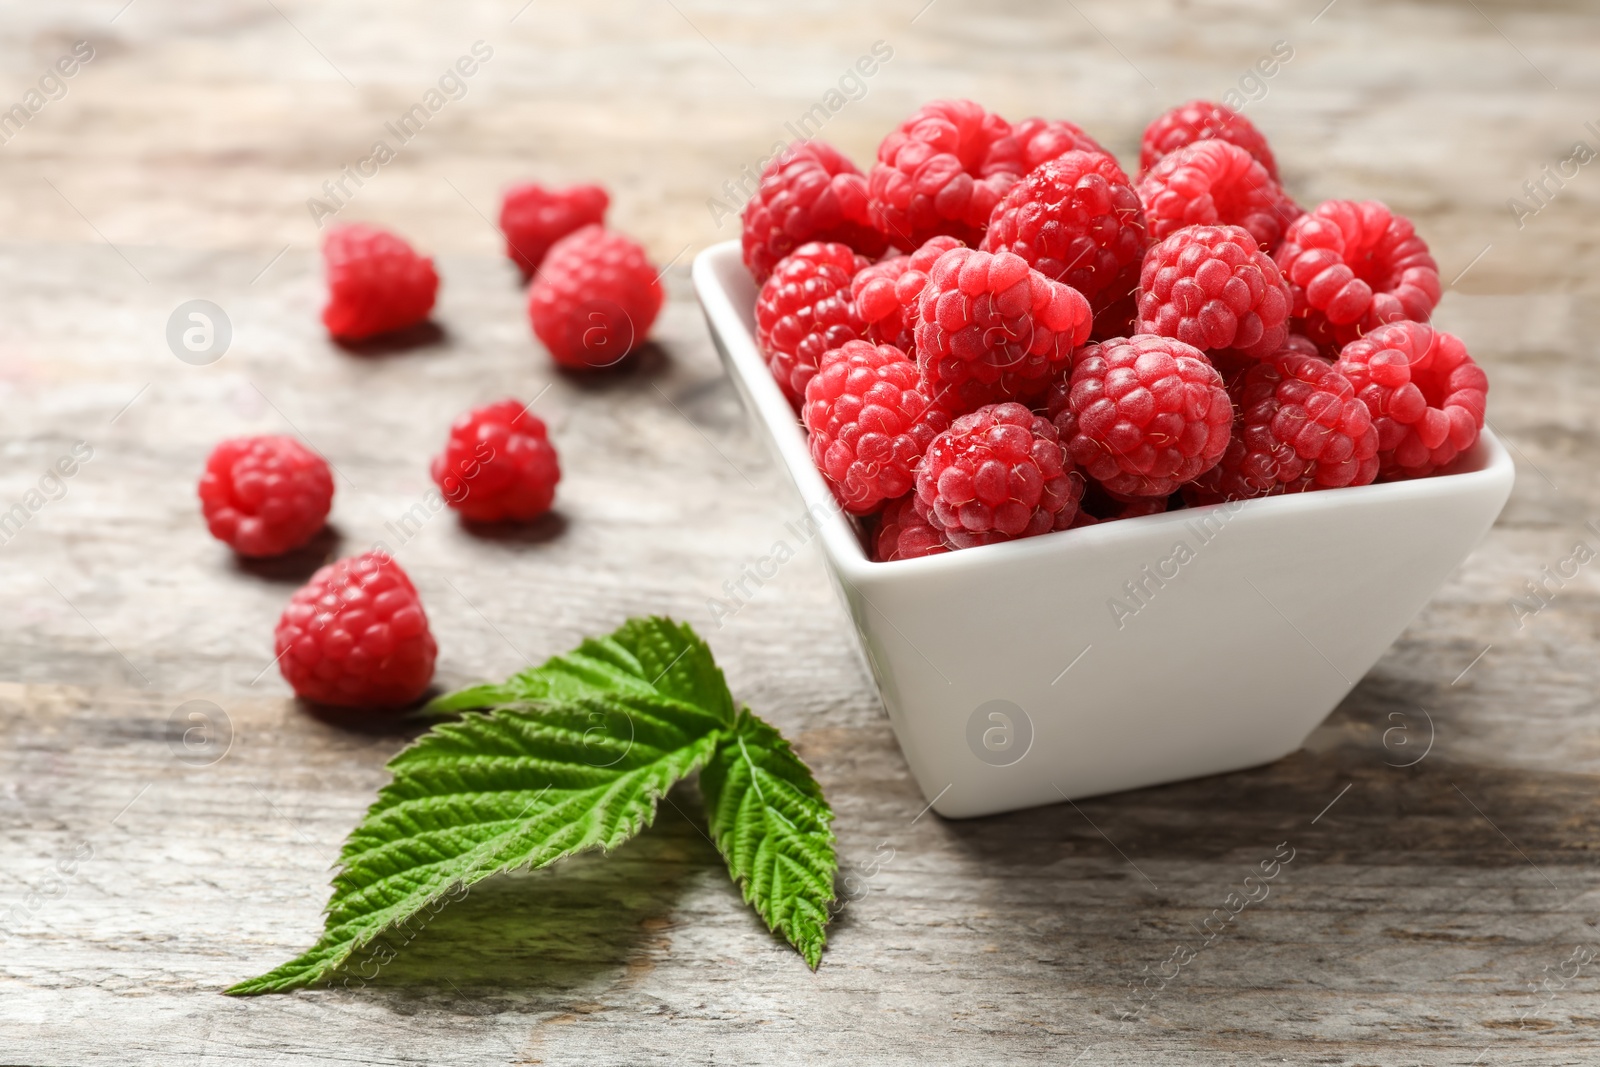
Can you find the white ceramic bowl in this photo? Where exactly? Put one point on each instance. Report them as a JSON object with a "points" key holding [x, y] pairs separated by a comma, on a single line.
{"points": [[1011, 676]]}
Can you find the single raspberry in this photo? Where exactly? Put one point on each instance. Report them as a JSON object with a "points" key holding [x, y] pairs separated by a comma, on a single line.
{"points": [[904, 534], [869, 424], [810, 192], [996, 474], [1299, 427], [533, 217], [376, 283], [1075, 219], [1142, 415], [1353, 266], [1201, 120], [934, 176], [991, 328], [498, 464], [1211, 287], [1425, 393], [265, 496], [594, 299], [1033, 142], [885, 293], [1212, 183], [804, 309], [355, 636]]}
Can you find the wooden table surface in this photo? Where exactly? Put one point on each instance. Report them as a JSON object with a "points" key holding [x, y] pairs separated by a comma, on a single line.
{"points": [[1443, 912]]}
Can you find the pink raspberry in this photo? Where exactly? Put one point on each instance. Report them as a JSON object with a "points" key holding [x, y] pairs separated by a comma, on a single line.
{"points": [[1211, 287], [1201, 120], [1075, 219], [933, 174], [265, 496], [1033, 142], [810, 192], [996, 474], [498, 464], [991, 328], [533, 217], [903, 534], [1425, 393], [376, 283], [885, 293], [1353, 266], [355, 636], [869, 424], [595, 298], [1299, 427], [1214, 182], [1142, 415], [804, 309]]}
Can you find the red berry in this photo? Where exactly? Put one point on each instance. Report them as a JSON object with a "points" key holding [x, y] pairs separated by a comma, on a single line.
{"points": [[1033, 142], [885, 293], [869, 424], [810, 192], [804, 309], [1299, 427], [991, 328], [1211, 287], [594, 299], [934, 176], [1201, 120], [1075, 219], [533, 217], [1425, 393], [498, 464], [265, 495], [996, 474], [355, 636], [376, 283], [1210, 183], [903, 534], [1142, 415], [1098, 506], [1353, 266]]}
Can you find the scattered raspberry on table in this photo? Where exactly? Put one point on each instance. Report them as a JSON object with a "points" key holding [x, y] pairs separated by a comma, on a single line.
{"points": [[1214, 182], [810, 192], [1211, 287], [377, 283], [498, 464], [355, 636], [805, 309], [533, 217], [265, 496], [934, 174], [595, 298], [1201, 120]]}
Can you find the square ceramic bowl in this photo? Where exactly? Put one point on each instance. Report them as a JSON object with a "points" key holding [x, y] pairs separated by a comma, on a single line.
{"points": [[1128, 654]]}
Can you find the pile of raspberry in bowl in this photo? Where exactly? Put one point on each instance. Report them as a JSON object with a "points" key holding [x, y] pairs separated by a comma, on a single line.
{"points": [[996, 333]]}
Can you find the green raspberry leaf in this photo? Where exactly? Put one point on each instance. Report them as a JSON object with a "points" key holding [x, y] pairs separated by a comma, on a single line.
{"points": [[773, 827]]}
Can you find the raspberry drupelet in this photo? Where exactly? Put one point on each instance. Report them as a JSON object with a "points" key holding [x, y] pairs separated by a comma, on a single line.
{"points": [[355, 636], [934, 174], [498, 464], [904, 534], [594, 299], [265, 496], [1211, 183], [885, 293], [534, 217], [804, 309], [810, 192], [1201, 120], [377, 283], [1211, 287]]}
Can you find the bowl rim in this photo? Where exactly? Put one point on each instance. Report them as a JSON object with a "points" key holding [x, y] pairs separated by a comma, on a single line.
{"points": [[1487, 461]]}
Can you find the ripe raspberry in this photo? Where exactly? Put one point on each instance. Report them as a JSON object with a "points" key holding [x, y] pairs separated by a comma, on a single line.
{"points": [[997, 473], [1353, 266], [265, 495], [595, 298], [1425, 393], [991, 328], [498, 464], [533, 217], [869, 424], [1201, 120], [355, 636], [808, 193], [376, 283], [1211, 287], [933, 174], [1033, 142], [885, 293], [804, 309], [1075, 219], [1142, 415], [903, 534], [1299, 427], [1212, 183]]}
